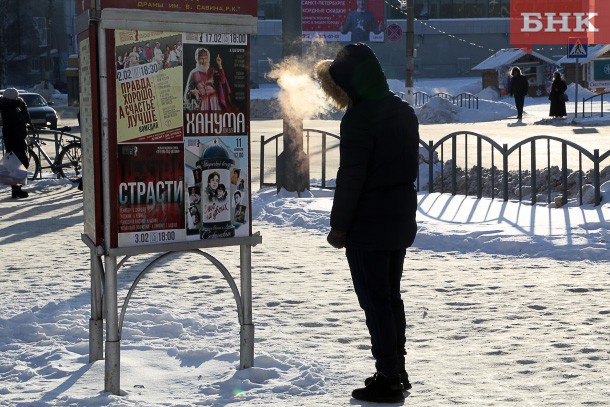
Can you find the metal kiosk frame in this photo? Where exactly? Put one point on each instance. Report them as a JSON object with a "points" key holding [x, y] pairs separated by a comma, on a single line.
{"points": [[92, 24]]}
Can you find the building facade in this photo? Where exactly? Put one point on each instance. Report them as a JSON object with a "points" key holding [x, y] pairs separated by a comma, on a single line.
{"points": [[36, 39], [451, 37]]}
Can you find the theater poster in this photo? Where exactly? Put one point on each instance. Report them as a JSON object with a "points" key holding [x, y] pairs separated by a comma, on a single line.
{"points": [[148, 86], [151, 193], [182, 136]]}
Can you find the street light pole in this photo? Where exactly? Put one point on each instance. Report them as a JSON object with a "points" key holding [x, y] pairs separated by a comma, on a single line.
{"points": [[3, 51], [408, 7], [47, 65]]}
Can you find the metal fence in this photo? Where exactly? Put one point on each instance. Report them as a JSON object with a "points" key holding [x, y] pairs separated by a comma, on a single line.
{"points": [[464, 99], [594, 99], [473, 164], [317, 143]]}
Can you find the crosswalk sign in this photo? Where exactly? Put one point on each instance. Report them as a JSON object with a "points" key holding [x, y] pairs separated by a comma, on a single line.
{"points": [[577, 48]]}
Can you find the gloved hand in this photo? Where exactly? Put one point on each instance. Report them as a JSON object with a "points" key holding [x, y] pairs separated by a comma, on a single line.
{"points": [[336, 238]]}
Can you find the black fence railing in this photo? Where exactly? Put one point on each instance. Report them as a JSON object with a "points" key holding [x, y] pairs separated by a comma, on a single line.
{"points": [[464, 99], [594, 99], [323, 144], [467, 163]]}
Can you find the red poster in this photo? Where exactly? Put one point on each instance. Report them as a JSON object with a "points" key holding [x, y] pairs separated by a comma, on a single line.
{"points": [[556, 21], [343, 20], [246, 7], [150, 193]]}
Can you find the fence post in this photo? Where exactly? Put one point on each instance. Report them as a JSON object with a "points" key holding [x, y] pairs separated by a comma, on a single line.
{"points": [[533, 172], [454, 165], [505, 171], [323, 158], [596, 179], [262, 164], [480, 167], [430, 167], [564, 172]]}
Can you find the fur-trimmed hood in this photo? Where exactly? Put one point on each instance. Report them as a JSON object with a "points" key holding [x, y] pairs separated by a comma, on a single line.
{"points": [[354, 75]]}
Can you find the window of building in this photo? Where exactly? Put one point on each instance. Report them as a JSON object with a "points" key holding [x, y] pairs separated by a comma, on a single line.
{"points": [[426, 9], [270, 9]]}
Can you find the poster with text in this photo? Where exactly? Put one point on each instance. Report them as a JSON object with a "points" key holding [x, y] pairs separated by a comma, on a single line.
{"points": [[216, 187], [148, 83], [182, 133], [215, 84], [343, 20], [150, 193], [245, 7]]}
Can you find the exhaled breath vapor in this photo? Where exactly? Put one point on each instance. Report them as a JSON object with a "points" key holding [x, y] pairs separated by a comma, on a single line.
{"points": [[301, 96]]}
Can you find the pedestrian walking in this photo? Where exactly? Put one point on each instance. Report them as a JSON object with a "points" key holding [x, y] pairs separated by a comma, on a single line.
{"points": [[378, 159], [15, 118], [518, 89], [558, 96]]}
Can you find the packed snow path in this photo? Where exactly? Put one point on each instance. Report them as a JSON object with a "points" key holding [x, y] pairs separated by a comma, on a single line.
{"points": [[483, 329]]}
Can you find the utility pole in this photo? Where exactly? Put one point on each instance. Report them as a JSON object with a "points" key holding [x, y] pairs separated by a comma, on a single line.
{"points": [[408, 7], [47, 66], [292, 164], [3, 50]]}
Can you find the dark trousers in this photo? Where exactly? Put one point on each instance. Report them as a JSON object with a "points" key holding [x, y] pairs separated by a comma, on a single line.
{"points": [[376, 276], [519, 100]]}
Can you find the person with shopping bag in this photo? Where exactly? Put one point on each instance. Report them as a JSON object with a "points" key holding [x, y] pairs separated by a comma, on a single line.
{"points": [[15, 119]]}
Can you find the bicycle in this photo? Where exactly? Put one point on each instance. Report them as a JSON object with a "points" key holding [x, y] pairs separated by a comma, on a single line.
{"points": [[68, 162]]}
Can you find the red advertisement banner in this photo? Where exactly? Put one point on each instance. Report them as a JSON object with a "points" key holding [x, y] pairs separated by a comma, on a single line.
{"points": [[246, 7], [555, 21], [343, 20], [150, 189]]}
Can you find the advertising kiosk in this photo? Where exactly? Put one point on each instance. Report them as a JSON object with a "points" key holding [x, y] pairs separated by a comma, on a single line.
{"points": [[164, 98]]}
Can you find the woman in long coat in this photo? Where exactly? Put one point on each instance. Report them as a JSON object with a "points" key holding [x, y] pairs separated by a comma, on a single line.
{"points": [[558, 90]]}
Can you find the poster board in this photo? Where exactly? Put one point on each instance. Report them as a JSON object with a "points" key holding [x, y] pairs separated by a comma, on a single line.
{"points": [[182, 137], [176, 142], [339, 20]]}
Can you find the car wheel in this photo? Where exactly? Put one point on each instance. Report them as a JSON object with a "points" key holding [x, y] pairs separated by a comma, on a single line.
{"points": [[53, 126]]}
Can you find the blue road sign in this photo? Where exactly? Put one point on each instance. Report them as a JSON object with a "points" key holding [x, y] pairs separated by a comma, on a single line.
{"points": [[577, 48], [393, 32]]}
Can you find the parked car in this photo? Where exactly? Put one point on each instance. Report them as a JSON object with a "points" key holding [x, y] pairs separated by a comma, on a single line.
{"points": [[41, 112]]}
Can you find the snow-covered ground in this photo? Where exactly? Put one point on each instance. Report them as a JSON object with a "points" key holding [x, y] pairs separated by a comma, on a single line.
{"points": [[507, 305], [491, 106]]}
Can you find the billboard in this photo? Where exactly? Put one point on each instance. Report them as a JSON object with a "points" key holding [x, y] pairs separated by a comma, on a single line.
{"points": [[555, 21], [182, 137], [246, 7], [343, 20]]}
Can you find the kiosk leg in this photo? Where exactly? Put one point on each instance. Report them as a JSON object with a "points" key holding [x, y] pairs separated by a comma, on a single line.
{"points": [[246, 332], [96, 322], [112, 377]]}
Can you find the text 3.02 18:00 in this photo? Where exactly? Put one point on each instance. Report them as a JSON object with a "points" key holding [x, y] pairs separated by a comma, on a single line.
{"points": [[154, 237]]}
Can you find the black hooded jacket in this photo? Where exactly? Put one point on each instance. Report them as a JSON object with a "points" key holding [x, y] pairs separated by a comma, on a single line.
{"points": [[375, 201]]}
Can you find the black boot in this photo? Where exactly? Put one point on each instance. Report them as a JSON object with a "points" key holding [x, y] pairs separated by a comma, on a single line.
{"points": [[404, 379], [381, 389], [17, 192]]}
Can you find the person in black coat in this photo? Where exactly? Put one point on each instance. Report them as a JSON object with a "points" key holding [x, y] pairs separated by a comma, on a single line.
{"points": [[518, 89], [556, 96], [15, 118], [375, 202]]}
